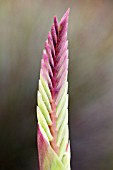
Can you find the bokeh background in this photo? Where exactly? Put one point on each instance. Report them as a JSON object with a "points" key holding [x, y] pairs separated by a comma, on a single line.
{"points": [[24, 25]]}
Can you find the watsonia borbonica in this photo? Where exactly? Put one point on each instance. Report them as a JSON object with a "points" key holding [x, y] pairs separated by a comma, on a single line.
{"points": [[52, 110]]}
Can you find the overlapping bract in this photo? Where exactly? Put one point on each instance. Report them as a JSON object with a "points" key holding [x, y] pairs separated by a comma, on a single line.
{"points": [[52, 109]]}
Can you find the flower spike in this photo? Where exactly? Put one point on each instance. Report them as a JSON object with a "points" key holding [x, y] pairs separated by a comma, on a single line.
{"points": [[52, 110]]}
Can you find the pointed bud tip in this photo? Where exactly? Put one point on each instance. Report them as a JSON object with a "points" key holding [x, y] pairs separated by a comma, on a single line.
{"points": [[64, 19], [68, 11]]}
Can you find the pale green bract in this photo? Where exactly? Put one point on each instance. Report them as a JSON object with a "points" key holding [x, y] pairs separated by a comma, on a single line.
{"points": [[52, 110]]}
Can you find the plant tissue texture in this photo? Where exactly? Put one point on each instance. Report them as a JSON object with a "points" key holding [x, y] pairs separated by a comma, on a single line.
{"points": [[52, 110]]}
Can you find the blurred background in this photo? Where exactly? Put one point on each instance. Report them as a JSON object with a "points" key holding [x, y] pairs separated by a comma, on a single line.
{"points": [[24, 25]]}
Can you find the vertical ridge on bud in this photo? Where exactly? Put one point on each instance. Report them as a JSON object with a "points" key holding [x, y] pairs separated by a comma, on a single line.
{"points": [[52, 109]]}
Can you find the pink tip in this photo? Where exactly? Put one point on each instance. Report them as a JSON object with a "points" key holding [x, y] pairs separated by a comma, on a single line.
{"points": [[65, 17]]}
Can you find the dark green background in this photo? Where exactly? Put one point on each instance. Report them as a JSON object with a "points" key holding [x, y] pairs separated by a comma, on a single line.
{"points": [[24, 25]]}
